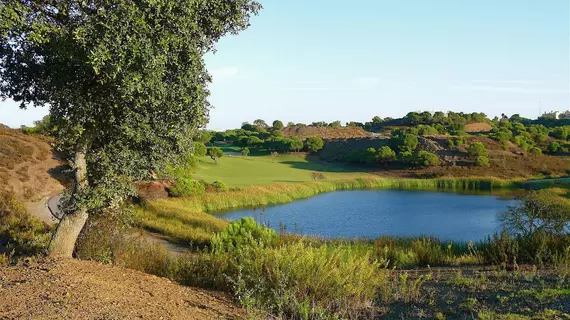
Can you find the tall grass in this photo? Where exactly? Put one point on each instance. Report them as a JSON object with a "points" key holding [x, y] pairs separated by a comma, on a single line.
{"points": [[188, 219]]}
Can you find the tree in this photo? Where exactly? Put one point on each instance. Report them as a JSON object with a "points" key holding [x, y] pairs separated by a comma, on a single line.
{"points": [[377, 120], [203, 136], [314, 144], [386, 154], [260, 123], [537, 211], [428, 159], [278, 125], [370, 156], [553, 147], [125, 81], [290, 124], [408, 143], [482, 161], [254, 142], [200, 149], [295, 144], [245, 151], [477, 149], [335, 124], [215, 153]]}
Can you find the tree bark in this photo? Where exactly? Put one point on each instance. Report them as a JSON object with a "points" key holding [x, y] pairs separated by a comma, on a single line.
{"points": [[65, 236]]}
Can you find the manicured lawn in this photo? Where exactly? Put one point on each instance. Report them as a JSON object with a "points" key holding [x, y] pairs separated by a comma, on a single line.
{"points": [[261, 170]]}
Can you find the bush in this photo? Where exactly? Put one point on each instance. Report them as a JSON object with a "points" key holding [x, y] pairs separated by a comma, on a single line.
{"points": [[219, 185], [536, 151], [482, 161], [186, 187], [314, 144], [19, 231], [428, 159], [200, 149], [553, 147], [477, 149], [240, 233], [245, 151], [297, 281], [450, 143], [386, 154]]}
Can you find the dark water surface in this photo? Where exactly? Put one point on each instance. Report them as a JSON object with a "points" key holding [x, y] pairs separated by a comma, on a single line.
{"points": [[372, 213]]}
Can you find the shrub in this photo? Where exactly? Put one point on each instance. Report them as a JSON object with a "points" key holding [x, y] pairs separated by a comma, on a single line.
{"points": [[477, 149], [482, 161], [297, 281], [215, 153], [245, 151], [386, 154], [240, 233], [19, 231], [314, 144], [553, 147], [200, 149], [219, 185], [186, 187], [536, 151], [450, 143], [428, 159]]}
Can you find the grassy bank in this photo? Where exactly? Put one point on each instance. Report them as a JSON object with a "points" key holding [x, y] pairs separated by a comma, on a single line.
{"points": [[189, 219]]}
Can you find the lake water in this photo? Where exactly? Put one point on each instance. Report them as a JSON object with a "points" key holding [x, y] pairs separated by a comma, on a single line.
{"points": [[372, 213]]}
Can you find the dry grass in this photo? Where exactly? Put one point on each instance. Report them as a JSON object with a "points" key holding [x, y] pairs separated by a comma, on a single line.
{"points": [[326, 132]]}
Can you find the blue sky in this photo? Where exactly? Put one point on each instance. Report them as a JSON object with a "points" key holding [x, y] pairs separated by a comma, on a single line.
{"points": [[326, 60]]}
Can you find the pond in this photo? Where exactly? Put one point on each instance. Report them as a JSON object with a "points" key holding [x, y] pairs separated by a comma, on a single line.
{"points": [[373, 213]]}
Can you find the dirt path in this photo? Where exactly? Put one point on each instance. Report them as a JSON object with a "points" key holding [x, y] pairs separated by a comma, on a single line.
{"points": [[73, 289]]}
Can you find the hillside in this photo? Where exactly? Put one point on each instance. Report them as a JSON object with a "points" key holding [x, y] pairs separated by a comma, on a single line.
{"points": [[30, 169], [455, 162], [73, 289], [28, 165], [326, 132]]}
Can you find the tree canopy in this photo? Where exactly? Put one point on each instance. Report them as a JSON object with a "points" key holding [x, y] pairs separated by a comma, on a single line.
{"points": [[125, 81]]}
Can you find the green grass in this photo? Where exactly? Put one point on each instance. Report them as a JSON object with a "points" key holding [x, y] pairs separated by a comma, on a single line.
{"points": [[238, 171]]}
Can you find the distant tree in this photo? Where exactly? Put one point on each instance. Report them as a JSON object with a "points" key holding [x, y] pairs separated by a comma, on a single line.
{"points": [[428, 159], [408, 143], [290, 124], [377, 120], [386, 154], [477, 149], [314, 144], [296, 144], [482, 161], [413, 118], [536, 151], [203, 136], [553, 147], [561, 133], [370, 156], [215, 153], [278, 125], [319, 124], [254, 142], [261, 123], [277, 134], [335, 124], [200, 149]]}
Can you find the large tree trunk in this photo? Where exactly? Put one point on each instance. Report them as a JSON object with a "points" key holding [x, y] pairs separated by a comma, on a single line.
{"points": [[63, 241]]}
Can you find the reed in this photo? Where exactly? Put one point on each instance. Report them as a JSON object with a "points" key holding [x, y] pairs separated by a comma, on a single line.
{"points": [[190, 220]]}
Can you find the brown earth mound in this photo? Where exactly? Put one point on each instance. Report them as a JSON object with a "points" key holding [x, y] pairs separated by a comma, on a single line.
{"points": [[73, 289], [478, 127], [326, 132]]}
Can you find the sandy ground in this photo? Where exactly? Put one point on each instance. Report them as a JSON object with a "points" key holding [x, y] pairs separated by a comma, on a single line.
{"points": [[73, 289]]}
